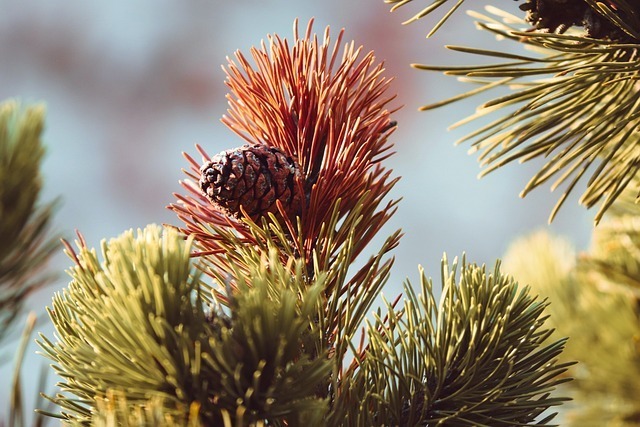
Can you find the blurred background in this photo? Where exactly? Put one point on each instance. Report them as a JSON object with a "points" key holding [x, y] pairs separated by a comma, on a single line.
{"points": [[129, 86]]}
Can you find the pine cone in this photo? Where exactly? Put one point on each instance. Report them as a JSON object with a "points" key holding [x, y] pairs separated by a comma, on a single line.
{"points": [[254, 177], [557, 16]]}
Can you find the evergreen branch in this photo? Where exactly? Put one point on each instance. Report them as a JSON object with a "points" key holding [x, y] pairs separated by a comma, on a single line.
{"points": [[132, 322], [25, 242], [604, 390], [271, 364], [135, 324], [478, 357], [329, 116], [581, 114], [614, 20]]}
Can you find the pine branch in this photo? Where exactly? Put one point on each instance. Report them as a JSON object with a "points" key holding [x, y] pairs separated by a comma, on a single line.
{"points": [[478, 357], [131, 322], [571, 102], [614, 19], [25, 240], [135, 324], [326, 121], [273, 368], [604, 338]]}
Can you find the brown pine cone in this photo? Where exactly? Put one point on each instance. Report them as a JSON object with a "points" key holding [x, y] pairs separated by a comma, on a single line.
{"points": [[254, 177], [557, 16]]}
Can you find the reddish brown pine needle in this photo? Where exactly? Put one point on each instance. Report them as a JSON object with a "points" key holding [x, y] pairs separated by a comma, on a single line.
{"points": [[324, 110]]}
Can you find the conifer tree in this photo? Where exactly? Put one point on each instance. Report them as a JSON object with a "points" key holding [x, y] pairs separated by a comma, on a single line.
{"points": [[252, 313], [254, 310]]}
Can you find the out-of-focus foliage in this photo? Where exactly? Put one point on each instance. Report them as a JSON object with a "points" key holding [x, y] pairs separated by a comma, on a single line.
{"points": [[25, 242], [591, 302], [615, 253]]}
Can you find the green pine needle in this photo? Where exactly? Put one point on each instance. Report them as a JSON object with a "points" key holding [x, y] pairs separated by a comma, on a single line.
{"points": [[269, 361], [478, 357]]}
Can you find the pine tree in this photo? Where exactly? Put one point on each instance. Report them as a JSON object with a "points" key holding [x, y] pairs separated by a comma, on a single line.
{"points": [[251, 312], [254, 310]]}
